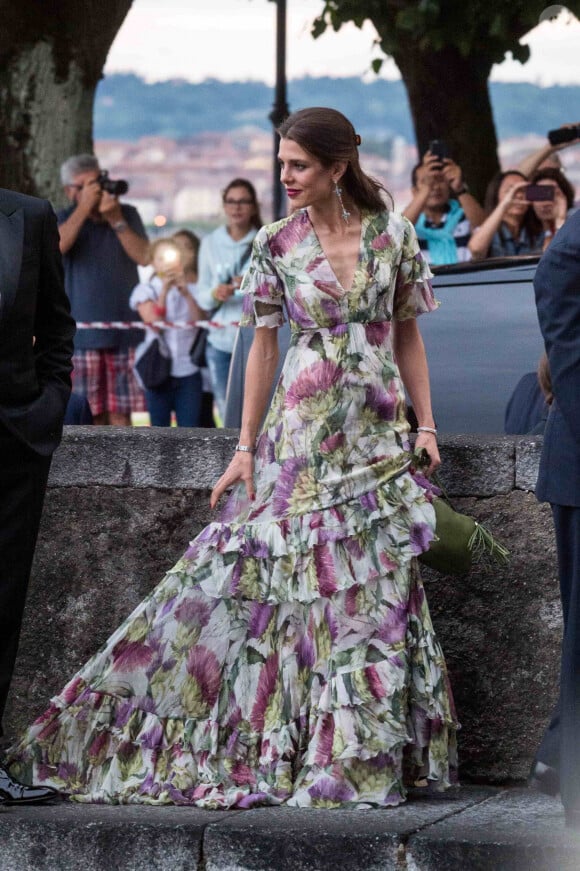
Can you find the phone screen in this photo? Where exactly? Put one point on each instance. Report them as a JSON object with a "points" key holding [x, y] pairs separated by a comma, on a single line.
{"points": [[536, 193]]}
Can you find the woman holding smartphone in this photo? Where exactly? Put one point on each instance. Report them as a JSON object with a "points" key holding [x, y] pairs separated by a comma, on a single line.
{"points": [[509, 229], [551, 210]]}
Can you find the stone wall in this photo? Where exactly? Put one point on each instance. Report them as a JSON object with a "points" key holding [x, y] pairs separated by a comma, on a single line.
{"points": [[122, 505]]}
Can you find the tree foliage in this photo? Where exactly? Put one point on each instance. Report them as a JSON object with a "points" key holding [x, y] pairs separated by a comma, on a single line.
{"points": [[488, 28], [445, 51]]}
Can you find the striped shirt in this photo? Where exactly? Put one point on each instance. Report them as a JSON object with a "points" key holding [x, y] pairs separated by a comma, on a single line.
{"points": [[461, 236]]}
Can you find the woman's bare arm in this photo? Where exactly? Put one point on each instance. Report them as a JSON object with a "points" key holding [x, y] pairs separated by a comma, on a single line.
{"points": [[260, 371], [411, 359]]}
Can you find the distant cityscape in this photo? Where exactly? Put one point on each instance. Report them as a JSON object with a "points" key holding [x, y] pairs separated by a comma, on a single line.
{"points": [[179, 143], [179, 182]]}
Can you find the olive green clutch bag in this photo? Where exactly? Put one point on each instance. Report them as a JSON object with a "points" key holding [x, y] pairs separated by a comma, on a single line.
{"points": [[460, 541]]}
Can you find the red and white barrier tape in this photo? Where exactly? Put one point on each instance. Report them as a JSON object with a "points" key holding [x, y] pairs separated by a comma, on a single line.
{"points": [[139, 325]]}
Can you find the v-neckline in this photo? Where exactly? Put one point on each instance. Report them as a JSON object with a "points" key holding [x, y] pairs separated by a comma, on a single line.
{"points": [[343, 291]]}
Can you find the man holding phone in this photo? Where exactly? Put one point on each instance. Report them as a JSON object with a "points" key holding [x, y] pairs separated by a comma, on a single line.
{"points": [[442, 209]]}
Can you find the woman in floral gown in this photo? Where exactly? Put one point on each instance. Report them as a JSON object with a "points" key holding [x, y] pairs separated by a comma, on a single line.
{"points": [[289, 656]]}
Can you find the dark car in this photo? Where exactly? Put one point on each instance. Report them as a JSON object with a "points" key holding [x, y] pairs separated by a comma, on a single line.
{"points": [[479, 343]]}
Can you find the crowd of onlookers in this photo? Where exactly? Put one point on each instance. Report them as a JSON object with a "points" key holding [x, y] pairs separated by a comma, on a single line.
{"points": [[524, 207], [103, 242]]}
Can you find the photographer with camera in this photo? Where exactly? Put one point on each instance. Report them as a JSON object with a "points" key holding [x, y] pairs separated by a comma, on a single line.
{"points": [[442, 209], [102, 241]]}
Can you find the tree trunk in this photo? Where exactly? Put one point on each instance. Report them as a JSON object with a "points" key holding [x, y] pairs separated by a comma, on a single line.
{"points": [[449, 100], [51, 59]]}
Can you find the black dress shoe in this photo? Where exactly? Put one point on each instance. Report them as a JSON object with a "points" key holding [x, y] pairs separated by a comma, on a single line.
{"points": [[544, 778], [14, 792]]}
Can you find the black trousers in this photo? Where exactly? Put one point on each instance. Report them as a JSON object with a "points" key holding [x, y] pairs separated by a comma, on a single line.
{"points": [[23, 478], [560, 745]]}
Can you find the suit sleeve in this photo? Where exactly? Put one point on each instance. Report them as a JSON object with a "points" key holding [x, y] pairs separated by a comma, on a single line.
{"points": [[54, 327], [557, 288]]}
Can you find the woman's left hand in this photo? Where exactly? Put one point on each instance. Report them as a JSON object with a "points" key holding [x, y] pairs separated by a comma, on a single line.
{"points": [[428, 441], [241, 468]]}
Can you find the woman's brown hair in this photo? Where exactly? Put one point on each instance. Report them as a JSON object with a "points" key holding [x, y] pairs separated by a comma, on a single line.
{"points": [[552, 173], [492, 190], [329, 136]]}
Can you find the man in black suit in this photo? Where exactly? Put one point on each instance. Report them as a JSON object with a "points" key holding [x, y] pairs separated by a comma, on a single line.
{"points": [[557, 284], [36, 343]]}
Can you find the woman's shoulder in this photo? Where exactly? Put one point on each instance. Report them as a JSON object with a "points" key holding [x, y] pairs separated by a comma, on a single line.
{"points": [[283, 236], [300, 216], [386, 218], [145, 290], [214, 237], [150, 285], [388, 226]]}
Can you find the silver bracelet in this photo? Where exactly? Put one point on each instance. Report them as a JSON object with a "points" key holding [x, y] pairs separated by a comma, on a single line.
{"points": [[247, 449], [430, 429]]}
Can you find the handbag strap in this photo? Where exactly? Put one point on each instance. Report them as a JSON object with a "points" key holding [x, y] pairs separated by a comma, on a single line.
{"points": [[245, 256]]}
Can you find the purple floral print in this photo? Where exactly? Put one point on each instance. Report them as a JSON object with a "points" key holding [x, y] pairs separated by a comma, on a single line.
{"points": [[289, 656]]}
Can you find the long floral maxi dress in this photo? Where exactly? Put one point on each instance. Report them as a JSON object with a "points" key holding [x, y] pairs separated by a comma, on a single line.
{"points": [[289, 656]]}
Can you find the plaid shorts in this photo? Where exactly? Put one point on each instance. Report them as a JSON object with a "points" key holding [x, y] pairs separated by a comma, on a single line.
{"points": [[106, 378]]}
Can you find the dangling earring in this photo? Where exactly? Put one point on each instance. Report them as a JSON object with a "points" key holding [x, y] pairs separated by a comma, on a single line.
{"points": [[345, 213]]}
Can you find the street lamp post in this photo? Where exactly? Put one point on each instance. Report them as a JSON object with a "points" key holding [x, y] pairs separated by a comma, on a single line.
{"points": [[280, 108]]}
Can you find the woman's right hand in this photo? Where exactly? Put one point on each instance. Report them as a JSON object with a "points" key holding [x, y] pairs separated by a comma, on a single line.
{"points": [[222, 292], [241, 468], [512, 191]]}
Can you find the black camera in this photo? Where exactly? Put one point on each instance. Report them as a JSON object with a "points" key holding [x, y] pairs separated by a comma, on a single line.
{"points": [[116, 187]]}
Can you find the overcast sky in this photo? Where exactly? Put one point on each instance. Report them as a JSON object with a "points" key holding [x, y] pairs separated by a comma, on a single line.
{"points": [[235, 39]]}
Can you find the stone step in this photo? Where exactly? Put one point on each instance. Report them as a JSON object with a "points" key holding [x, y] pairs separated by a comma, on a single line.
{"points": [[469, 829]]}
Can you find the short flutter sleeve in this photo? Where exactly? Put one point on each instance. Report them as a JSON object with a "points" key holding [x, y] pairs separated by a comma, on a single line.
{"points": [[262, 288], [413, 291]]}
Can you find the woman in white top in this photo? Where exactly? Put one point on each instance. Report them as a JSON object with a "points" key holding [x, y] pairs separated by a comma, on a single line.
{"points": [[223, 256], [167, 296]]}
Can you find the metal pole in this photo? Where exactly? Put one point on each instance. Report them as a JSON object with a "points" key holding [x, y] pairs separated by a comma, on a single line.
{"points": [[280, 109]]}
